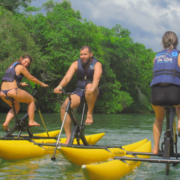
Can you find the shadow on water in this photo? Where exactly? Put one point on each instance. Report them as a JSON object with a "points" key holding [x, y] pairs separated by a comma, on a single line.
{"points": [[120, 129]]}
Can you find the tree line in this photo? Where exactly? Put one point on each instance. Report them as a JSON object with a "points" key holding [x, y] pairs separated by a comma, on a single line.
{"points": [[54, 39]]}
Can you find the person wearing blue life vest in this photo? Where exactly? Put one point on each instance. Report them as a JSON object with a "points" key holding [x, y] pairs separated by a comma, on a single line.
{"points": [[9, 87], [89, 71], [165, 85]]}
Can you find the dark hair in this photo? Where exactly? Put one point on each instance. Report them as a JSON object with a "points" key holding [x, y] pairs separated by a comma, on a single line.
{"points": [[23, 57], [170, 40], [86, 46]]}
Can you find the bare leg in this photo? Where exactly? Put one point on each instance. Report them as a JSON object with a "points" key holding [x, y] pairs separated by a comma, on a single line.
{"points": [[178, 117], [22, 96], [75, 101], [157, 126], [10, 114], [91, 99]]}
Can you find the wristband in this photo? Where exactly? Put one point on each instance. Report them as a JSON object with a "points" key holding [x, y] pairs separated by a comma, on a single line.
{"points": [[59, 87]]}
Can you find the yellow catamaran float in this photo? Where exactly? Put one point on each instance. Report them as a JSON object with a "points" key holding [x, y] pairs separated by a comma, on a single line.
{"points": [[21, 149], [80, 156], [115, 169]]}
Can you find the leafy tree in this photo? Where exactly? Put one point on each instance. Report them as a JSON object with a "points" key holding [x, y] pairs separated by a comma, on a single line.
{"points": [[114, 100], [131, 63], [14, 5]]}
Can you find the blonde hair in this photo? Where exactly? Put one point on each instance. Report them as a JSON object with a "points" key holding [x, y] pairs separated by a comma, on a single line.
{"points": [[170, 40]]}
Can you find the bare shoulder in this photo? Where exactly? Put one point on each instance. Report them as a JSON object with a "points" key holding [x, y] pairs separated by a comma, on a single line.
{"points": [[179, 55], [179, 60], [98, 65], [19, 67], [75, 65]]}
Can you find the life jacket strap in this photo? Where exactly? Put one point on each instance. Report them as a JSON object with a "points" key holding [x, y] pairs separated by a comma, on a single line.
{"points": [[173, 72], [9, 75]]}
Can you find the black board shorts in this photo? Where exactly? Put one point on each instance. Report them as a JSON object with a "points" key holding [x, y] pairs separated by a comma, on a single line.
{"points": [[81, 93], [165, 95]]}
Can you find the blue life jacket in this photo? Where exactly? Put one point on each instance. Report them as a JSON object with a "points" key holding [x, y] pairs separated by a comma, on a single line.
{"points": [[166, 69], [83, 77], [10, 74]]}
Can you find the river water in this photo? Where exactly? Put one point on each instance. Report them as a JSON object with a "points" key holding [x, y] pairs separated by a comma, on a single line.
{"points": [[120, 129]]}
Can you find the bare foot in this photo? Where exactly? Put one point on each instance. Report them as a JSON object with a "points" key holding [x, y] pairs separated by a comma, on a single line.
{"points": [[33, 123], [67, 141], [179, 126], [6, 127], [156, 150], [89, 121]]}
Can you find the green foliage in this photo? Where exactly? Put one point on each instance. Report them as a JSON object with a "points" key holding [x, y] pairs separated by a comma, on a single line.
{"points": [[30, 9], [15, 41], [113, 100], [131, 63], [14, 5]]}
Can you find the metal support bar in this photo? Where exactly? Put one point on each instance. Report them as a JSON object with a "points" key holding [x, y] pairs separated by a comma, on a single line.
{"points": [[79, 146], [78, 128], [171, 161], [13, 137], [166, 153]]}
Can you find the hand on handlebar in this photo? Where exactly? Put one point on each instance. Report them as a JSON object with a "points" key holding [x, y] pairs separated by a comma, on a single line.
{"points": [[44, 85], [23, 84], [58, 90]]}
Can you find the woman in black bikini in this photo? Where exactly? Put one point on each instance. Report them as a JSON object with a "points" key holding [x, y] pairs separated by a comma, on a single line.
{"points": [[11, 81]]}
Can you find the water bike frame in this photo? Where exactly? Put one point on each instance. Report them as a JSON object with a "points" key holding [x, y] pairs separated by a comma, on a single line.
{"points": [[168, 146], [22, 124], [78, 127]]}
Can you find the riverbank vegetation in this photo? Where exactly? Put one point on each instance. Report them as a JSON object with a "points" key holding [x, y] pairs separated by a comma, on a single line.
{"points": [[53, 36]]}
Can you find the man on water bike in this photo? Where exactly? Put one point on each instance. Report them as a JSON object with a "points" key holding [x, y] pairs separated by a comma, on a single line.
{"points": [[165, 85], [89, 71]]}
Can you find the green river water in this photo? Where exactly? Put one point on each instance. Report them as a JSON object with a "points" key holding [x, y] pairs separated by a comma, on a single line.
{"points": [[120, 129]]}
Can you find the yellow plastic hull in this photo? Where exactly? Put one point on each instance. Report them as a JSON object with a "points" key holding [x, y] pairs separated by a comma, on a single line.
{"points": [[115, 169], [21, 149], [80, 156]]}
